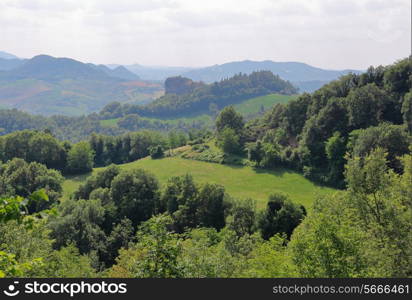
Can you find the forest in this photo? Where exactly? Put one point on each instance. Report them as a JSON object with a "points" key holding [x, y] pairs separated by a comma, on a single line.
{"points": [[353, 134]]}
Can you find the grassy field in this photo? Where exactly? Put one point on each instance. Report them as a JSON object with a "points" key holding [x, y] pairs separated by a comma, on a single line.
{"points": [[240, 182], [109, 122], [254, 105]]}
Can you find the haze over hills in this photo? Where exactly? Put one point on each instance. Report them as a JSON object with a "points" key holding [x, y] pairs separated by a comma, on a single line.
{"points": [[9, 61], [9, 64], [6, 55], [159, 73], [307, 78], [48, 85], [303, 76]]}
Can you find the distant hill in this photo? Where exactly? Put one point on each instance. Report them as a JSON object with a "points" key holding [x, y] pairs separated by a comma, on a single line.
{"points": [[297, 73], [6, 55], [123, 73], [9, 64], [117, 72], [307, 78], [158, 73], [48, 85], [48, 68]]}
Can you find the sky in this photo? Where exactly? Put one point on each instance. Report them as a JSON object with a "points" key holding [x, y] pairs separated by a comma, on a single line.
{"points": [[331, 34]]}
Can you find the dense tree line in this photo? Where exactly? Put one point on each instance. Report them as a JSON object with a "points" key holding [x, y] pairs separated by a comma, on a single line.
{"points": [[100, 150], [76, 129], [202, 97]]}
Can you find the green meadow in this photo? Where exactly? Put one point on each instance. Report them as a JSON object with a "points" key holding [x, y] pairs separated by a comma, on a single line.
{"points": [[239, 181]]}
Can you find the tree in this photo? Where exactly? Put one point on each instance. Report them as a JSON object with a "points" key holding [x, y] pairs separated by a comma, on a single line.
{"points": [[242, 216], [178, 191], [269, 260], [18, 177], [335, 148], [79, 222], [228, 141], [229, 118], [33, 146], [281, 216], [68, 263], [325, 245], [101, 179], [156, 253], [23, 239], [136, 195], [80, 158], [45, 149], [120, 237], [256, 153], [364, 232], [366, 106], [130, 122], [156, 152], [407, 111], [393, 138], [210, 211]]}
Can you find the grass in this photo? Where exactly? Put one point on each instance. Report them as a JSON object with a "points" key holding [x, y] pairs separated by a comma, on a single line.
{"points": [[239, 181], [187, 120], [109, 122], [254, 105]]}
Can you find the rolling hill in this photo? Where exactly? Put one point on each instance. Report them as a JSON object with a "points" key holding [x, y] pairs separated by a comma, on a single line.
{"points": [[158, 73], [9, 64], [6, 55], [297, 73], [306, 77], [47, 85]]}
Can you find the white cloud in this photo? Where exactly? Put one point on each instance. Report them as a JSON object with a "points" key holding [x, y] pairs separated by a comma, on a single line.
{"points": [[325, 33]]}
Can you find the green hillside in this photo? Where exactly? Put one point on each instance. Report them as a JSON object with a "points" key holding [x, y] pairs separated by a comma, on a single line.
{"points": [[240, 182], [254, 105], [248, 107], [47, 85]]}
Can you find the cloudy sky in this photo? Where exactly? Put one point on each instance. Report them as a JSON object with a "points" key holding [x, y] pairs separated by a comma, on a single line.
{"points": [[332, 34]]}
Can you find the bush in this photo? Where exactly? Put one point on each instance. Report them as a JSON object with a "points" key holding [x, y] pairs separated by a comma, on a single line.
{"points": [[156, 152], [281, 216]]}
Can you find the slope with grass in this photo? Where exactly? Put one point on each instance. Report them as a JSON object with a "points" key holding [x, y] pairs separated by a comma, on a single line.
{"points": [[249, 107], [239, 181], [255, 105]]}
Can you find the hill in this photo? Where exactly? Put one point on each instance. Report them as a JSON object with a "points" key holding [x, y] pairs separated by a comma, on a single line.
{"points": [[306, 77], [9, 64], [295, 72], [354, 115], [117, 72], [50, 69], [6, 55], [241, 182], [48, 85], [205, 98], [157, 73]]}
